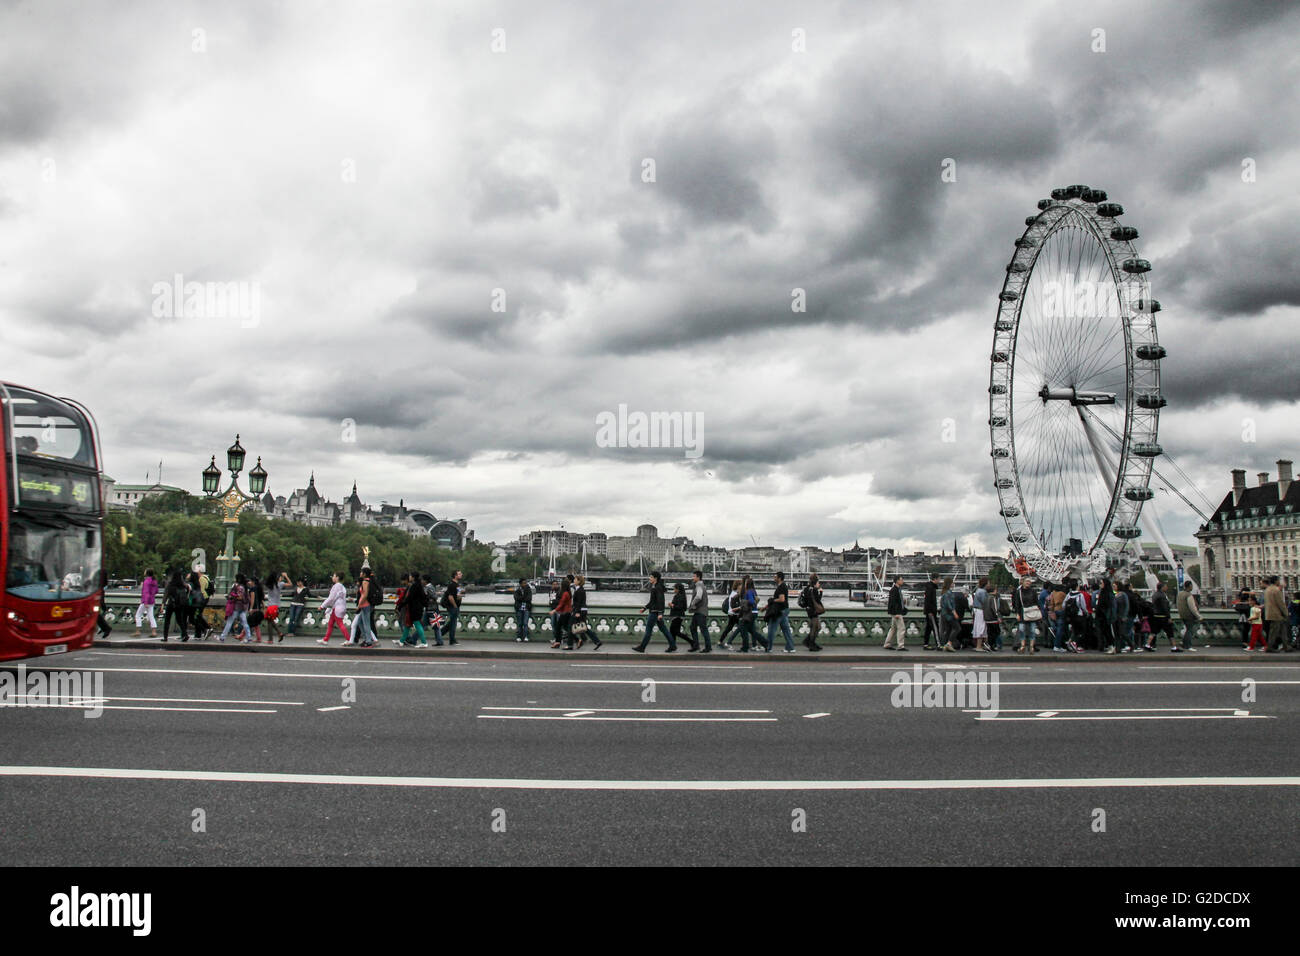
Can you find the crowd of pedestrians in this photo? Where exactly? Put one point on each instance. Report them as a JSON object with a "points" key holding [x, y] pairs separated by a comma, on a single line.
{"points": [[1105, 615]]}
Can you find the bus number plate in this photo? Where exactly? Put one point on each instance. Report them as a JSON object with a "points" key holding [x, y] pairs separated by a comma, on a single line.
{"points": [[56, 649]]}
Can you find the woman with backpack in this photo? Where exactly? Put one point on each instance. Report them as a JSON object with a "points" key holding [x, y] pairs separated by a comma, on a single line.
{"points": [[731, 607], [198, 601], [176, 600], [677, 613], [256, 609], [810, 599], [336, 606], [236, 610]]}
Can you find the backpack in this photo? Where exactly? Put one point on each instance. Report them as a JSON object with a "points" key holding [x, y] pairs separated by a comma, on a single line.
{"points": [[1072, 607], [803, 598], [376, 592], [962, 604]]}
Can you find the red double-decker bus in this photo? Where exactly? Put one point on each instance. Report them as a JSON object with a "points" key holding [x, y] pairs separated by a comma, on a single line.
{"points": [[51, 525]]}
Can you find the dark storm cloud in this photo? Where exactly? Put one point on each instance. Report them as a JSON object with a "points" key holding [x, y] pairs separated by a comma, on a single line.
{"points": [[1238, 268], [707, 163]]}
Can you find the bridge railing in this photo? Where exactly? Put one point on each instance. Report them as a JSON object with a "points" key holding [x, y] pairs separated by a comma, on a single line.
{"points": [[625, 622]]}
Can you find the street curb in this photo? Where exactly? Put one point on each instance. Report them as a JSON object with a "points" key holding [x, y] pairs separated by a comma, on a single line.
{"points": [[462, 650]]}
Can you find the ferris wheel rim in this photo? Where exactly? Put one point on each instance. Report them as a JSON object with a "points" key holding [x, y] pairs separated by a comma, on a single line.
{"points": [[1084, 209]]}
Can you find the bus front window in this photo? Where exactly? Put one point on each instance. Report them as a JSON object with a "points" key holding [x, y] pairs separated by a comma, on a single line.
{"points": [[52, 562]]}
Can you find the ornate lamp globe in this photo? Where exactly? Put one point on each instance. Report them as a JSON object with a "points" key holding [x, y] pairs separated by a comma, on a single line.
{"points": [[235, 456], [211, 477], [257, 478]]}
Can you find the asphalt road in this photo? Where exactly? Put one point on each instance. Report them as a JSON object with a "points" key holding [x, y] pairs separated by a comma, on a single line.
{"points": [[399, 761]]}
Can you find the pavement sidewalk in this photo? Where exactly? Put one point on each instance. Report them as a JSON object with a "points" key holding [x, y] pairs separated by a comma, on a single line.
{"points": [[620, 649]]}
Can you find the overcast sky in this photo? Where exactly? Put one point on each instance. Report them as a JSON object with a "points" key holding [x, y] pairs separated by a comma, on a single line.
{"points": [[376, 171]]}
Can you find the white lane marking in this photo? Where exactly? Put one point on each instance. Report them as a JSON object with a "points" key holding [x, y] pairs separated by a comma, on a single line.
{"points": [[98, 706], [518, 783], [671, 682], [660, 720], [694, 667], [637, 710], [815, 716], [1110, 710], [325, 710], [153, 655], [1236, 716], [204, 700], [580, 713], [330, 659]]}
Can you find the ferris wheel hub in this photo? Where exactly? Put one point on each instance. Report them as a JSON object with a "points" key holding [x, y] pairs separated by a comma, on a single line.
{"points": [[1076, 397]]}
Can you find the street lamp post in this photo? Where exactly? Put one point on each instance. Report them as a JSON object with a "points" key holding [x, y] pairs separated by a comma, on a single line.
{"points": [[232, 501]]}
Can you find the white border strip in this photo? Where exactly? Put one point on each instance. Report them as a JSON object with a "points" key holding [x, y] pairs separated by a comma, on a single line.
{"points": [[514, 783]]}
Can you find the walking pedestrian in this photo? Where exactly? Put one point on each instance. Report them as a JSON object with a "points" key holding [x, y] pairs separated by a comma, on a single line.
{"points": [[730, 607], [930, 607], [256, 608], [979, 605], [1255, 617], [363, 623], [563, 617], [581, 627], [176, 598], [748, 612], [236, 610], [700, 614], [1275, 616], [1024, 604], [410, 608], [780, 605], [148, 595], [896, 609], [336, 606], [1104, 616], [451, 604], [274, 594], [1122, 612], [1056, 617], [654, 612], [993, 618], [1189, 612], [676, 613], [1160, 620], [810, 599], [949, 616], [433, 619], [523, 595], [196, 601], [298, 605], [102, 624]]}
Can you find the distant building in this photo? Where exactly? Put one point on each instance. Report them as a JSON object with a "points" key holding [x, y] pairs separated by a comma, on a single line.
{"points": [[308, 506], [128, 497], [1253, 534]]}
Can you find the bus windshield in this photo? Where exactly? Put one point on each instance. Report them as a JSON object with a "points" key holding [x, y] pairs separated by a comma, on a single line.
{"points": [[52, 560]]}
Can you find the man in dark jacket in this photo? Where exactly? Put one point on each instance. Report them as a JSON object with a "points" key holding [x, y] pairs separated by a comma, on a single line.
{"points": [[523, 610], [1160, 622], [896, 610], [932, 611], [700, 612], [654, 612]]}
